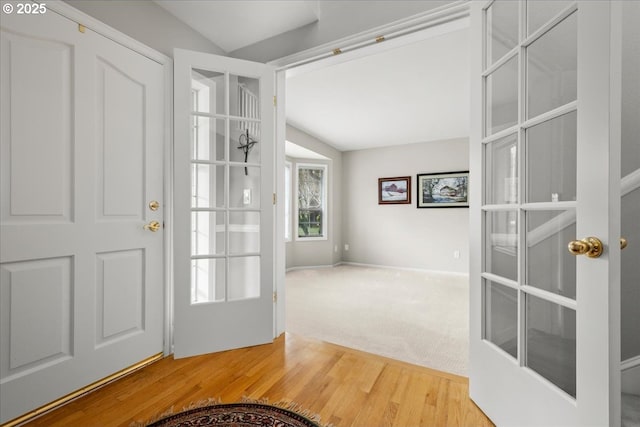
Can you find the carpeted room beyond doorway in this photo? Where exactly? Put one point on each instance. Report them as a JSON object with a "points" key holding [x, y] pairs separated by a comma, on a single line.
{"points": [[414, 316]]}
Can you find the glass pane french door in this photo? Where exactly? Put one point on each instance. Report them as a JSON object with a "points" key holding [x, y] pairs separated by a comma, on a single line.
{"points": [[545, 144], [529, 198], [223, 203]]}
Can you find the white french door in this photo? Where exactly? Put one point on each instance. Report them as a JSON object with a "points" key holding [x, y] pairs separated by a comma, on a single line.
{"points": [[545, 324], [223, 203], [81, 280]]}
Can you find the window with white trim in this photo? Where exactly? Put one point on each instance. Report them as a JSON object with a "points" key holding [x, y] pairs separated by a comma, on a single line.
{"points": [[312, 201]]}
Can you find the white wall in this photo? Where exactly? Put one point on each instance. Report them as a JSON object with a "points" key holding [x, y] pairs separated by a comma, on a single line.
{"points": [[148, 23], [403, 235], [318, 252], [337, 19]]}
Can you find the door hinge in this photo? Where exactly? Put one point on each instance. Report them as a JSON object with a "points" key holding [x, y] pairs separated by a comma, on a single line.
{"points": [[275, 198], [275, 101], [275, 297], [81, 28]]}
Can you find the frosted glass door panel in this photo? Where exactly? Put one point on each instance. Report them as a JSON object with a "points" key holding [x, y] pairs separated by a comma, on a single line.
{"points": [[207, 280], [208, 233], [244, 232], [501, 316], [502, 244], [502, 170], [552, 63], [245, 187], [551, 342], [551, 160], [244, 277], [502, 29], [208, 91], [207, 142], [207, 186], [502, 97], [243, 132], [550, 266], [541, 11]]}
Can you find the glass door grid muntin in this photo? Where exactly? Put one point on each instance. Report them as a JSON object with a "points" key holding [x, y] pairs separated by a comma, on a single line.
{"points": [[227, 164], [520, 207]]}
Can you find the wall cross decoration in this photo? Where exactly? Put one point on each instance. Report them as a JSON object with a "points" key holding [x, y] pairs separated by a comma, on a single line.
{"points": [[246, 143]]}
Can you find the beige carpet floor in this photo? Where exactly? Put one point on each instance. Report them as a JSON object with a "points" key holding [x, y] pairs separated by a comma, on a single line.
{"points": [[417, 317]]}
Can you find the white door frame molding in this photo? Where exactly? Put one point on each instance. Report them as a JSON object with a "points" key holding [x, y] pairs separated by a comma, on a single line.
{"points": [[167, 64], [397, 33]]}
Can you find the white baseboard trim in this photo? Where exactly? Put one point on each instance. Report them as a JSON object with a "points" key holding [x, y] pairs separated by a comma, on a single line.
{"points": [[393, 267], [311, 267], [631, 375]]}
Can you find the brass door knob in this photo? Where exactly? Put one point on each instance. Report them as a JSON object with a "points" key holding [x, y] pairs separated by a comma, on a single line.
{"points": [[589, 246], [623, 243], [152, 226]]}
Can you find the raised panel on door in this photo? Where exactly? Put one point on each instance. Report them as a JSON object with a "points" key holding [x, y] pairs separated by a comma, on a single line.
{"points": [[36, 310], [121, 139], [37, 136], [120, 297]]}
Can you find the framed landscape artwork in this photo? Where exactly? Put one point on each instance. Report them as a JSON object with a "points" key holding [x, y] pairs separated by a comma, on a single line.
{"points": [[443, 190], [394, 190]]}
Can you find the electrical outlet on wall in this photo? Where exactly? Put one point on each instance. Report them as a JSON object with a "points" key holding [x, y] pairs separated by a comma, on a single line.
{"points": [[346, 246], [456, 254]]}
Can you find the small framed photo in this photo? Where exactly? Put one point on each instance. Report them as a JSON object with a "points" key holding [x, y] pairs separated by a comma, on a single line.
{"points": [[394, 190], [443, 190]]}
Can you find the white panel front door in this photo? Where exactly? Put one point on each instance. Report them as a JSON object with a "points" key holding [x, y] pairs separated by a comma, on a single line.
{"points": [[223, 203], [81, 280], [545, 324]]}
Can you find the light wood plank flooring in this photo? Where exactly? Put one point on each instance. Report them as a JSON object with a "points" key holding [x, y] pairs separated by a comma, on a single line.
{"points": [[345, 387]]}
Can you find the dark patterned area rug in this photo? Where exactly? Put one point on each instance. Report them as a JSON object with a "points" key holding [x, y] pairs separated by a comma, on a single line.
{"points": [[245, 414]]}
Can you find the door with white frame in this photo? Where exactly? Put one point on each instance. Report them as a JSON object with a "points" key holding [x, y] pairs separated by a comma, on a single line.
{"points": [[223, 239], [82, 143], [545, 320]]}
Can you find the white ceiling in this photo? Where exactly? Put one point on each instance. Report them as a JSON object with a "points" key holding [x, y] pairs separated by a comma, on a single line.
{"points": [[298, 152], [238, 23], [414, 93]]}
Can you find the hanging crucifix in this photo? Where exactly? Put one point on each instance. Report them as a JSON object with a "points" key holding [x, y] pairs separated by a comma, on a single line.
{"points": [[246, 143]]}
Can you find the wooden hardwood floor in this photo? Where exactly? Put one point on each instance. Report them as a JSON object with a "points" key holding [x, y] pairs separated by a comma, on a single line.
{"points": [[345, 387]]}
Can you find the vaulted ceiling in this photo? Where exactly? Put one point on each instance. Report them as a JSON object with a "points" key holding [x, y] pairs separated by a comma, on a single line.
{"points": [[234, 24], [414, 93]]}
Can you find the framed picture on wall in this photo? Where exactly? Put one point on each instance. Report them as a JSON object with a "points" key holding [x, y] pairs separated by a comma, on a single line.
{"points": [[393, 191], [443, 190]]}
